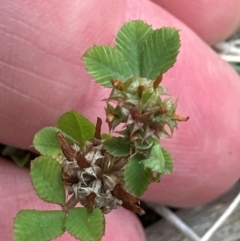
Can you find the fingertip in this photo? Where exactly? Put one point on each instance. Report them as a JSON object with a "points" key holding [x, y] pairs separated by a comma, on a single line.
{"points": [[122, 225], [213, 20]]}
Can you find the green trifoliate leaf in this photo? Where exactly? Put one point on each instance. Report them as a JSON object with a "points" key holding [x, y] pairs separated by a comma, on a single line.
{"points": [[159, 161], [46, 143], [117, 146], [105, 63], [32, 225], [84, 225], [160, 52], [20, 157], [130, 40], [136, 176], [76, 126], [46, 179]]}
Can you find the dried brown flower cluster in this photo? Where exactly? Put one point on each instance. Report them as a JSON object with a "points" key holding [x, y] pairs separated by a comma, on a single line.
{"points": [[95, 178]]}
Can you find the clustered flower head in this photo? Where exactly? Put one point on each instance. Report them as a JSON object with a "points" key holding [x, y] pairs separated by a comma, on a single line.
{"points": [[95, 177], [144, 107]]}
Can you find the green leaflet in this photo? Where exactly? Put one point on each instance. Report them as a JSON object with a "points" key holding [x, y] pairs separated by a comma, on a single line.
{"points": [[32, 225], [136, 176], [84, 225], [46, 179], [46, 143], [160, 52], [77, 127], [159, 161], [130, 40], [105, 63], [117, 146], [168, 161]]}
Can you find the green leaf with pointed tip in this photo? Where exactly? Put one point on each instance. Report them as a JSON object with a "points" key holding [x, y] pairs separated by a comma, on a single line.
{"points": [[159, 161], [136, 176], [76, 126], [33, 225], [160, 51], [130, 40], [46, 179], [84, 225], [117, 146], [46, 143], [104, 63]]}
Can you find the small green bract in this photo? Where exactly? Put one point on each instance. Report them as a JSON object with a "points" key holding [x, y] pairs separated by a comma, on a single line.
{"points": [[100, 171]]}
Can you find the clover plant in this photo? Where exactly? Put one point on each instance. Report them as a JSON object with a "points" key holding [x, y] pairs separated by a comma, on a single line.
{"points": [[100, 171]]}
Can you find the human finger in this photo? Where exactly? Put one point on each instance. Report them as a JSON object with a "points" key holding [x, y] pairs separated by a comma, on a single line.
{"points": [[213, 21], [200, 79]]}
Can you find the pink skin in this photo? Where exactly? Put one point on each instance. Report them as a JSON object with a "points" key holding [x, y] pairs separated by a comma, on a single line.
{"points": [[42, 76], [213, 20]]}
